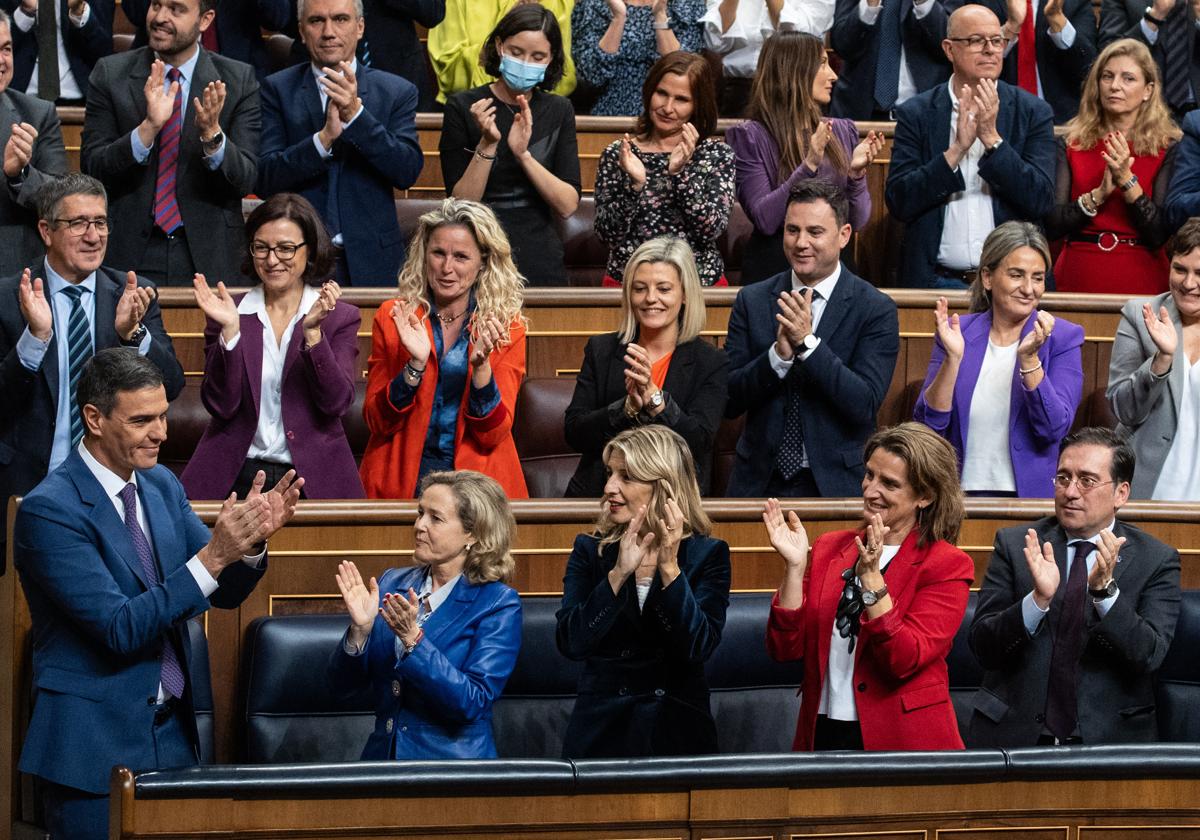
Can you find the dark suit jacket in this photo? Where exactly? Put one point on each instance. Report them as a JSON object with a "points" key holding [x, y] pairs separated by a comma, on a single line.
{"points": [[316, 391], [643, 691], [1183, 196], [1020, 172], [29, 406], [842, 383], [1061, 71], [391, 34], [1122, 650], [209, 202], [99, 627], [858, 46], [239, 23], [1123, 18], [20, 244], [376, 154], [695, 401], [437, 701], [85, 45]]}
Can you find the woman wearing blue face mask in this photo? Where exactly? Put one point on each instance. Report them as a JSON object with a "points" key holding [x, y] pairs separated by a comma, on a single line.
{"points": [[511, 144]]}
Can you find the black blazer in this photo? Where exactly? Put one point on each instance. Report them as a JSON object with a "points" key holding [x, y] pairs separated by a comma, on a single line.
{"points": [[29, 406], [643, 691], [1121, 653], [85, 45], [843, 383], [858, 46], [20, 244], [1123, 19], [695, 401]]}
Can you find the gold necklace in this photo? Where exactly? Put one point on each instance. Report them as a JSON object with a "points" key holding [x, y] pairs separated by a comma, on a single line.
{"points": [[450, 319]]}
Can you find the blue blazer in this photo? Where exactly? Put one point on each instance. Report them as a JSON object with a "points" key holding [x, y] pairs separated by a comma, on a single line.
{"points": [[98, 628], [437, 701], [843, 383], [353, 189], [920, 182], [1183, 197]]}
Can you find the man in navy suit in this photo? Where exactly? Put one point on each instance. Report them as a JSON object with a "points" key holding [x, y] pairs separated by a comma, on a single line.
{"points": [[84, 36], [952, 180], [344, 136], [1183, 196], [811, 354], [114, 563]]}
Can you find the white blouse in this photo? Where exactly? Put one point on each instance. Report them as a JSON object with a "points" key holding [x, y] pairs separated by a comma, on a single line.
{"points": [[1179, 480], [987, 462]]}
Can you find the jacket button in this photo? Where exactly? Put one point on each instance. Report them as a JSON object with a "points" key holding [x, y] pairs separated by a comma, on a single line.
{"points": [[625, 654], [622, 691], [403, 728], [1039, 717], [395, 688], [658, 692], [862, 686], [291, 435], [388, 727]]}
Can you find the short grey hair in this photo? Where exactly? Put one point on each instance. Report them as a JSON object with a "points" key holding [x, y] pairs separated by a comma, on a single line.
{"points": [[51, 196], [5, 20], [301, 5]]}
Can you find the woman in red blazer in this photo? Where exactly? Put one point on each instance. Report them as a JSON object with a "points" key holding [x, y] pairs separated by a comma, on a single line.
{"points": [[447, 358], [874, 613]]}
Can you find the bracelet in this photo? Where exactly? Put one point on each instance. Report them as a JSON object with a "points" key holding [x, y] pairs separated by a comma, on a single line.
{"points": [[479, 154], [1130, 184], [410, 648], [1083, 208], [1033, 369], [660, 26], [412, 372]]}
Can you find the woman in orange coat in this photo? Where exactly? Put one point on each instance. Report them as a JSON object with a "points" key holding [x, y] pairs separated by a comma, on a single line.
{"points": [[874, 613], [447, 358]]}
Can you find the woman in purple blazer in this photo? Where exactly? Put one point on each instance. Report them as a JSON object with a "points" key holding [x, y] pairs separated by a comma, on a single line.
{"points": [[785, 140], [279, 364], [1008, 372]]}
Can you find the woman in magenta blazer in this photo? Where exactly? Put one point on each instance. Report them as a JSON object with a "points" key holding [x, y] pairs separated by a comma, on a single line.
{"points": [[874, 612], [279, 365], [1004, 382]]}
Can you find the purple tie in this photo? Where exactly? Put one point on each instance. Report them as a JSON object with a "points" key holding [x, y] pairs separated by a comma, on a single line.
{"points": [[1062, 705], [170, 673], [166, 209]]}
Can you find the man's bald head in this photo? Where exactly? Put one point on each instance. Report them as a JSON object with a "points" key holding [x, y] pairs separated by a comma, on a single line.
{"points": [[985, 58], [963, 20]]}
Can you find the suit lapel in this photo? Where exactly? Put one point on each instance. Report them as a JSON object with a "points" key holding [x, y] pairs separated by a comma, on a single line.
{"points": [[252, 334], [1005, 117], [309, 98], [448, 614], [679, 371], [1177, 381], [827, 605], [104, 516], [108, 292], [939, 126], [293, 351], [164, 535], [138, 74], [189, 140], [837, 306], [1057, 538], [8, 116], [975, 337]]}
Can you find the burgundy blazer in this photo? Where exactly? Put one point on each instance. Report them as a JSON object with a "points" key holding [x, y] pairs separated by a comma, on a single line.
{"points": [[902, 687], [318, 388]]}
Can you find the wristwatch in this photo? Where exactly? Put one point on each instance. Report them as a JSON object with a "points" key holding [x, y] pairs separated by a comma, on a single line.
{"points": [[810, 342], [136, 338], [1109, 590], [656, 399], [871, 597], [212, 143], [1151, 18]]}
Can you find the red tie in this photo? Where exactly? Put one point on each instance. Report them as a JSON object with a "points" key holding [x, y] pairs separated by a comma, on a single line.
{"points": [[1027, 52], [166, 210]]}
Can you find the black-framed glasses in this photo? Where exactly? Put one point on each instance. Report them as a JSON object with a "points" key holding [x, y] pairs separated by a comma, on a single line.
{"points": [[1085, 483], [283, 251], [975, 42], [80, 225]]}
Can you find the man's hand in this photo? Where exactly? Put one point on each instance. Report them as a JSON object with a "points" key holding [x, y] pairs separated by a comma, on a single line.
{"points": [[333, 127], [341, 86], [19, 149], [159, 103], [1108, 551], [238, 528], [132, 306], [1055, 19], [29, 7], [986, 101], [35, 309], [208, 110], [281, 499], [76, 7], [794, 318], [966, 129], [1042, 568]]}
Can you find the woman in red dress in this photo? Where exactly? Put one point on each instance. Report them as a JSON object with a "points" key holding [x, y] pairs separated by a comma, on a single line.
{"points": [[1113, 169]]}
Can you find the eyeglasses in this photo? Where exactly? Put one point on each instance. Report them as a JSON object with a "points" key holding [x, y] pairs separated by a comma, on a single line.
{"points": [[79, 227], [1085, 483], [975, 42], [283, 251]]}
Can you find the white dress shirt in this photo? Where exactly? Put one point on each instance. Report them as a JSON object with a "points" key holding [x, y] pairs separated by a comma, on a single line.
{"points": [[68, 87], [907, 88], [969, 216], [742, 42], [987, 462]]}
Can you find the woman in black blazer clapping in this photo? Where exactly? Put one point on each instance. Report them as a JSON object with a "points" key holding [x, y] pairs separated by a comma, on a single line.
{"points": [[655, 369]]}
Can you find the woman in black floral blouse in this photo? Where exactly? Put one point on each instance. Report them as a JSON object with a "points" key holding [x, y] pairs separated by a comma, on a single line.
{"points": [[674, 178]]}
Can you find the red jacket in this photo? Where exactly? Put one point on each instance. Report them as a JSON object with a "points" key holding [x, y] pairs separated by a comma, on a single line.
{"points": [[392, 459], [900, 660]]}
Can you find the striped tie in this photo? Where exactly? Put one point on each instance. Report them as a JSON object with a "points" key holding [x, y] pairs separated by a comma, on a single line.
{"points": [[166, 209], [79, 350]]}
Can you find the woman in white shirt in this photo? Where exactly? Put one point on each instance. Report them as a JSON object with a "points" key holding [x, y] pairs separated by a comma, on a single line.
{"points": [[279, 365], [1154, 378], [1004, 381]]}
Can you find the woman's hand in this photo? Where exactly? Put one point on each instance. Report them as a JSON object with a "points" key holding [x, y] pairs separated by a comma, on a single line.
{"points": [[400, 614], [869, 554], [1027, 350], [484, 112], [413, 336], [817, 144], [634, 551], [865, 153], [787, 536], [684, 149], [322, 306], [948, 330], [1162, 333], [632, 164], [668, 538], [522, 128], [638, 371], [486, 335], [218, 306], [1117, 157], [362, 601]]}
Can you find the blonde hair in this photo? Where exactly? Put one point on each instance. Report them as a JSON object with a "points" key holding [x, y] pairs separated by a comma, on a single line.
{"points": [[499, 288], [1153, 128], [657, 456], [484, 513], [932, 471], [678, 254], [1002, 241]]}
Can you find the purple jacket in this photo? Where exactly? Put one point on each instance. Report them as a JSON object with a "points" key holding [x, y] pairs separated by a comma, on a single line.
{"points": [[1039, 419], [758, 189], [318, 388]]}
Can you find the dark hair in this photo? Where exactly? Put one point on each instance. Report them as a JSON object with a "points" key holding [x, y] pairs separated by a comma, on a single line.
{"points": [[1123, 457], [817, 189], [1186, 239], [50, 197], [530, 17], [701, 82], [207, 5], [294, 208], [111, 371]]}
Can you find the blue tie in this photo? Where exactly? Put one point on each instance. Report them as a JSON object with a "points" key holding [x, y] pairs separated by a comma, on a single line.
{"points": [[887, 67], [170, 673], [79, 350]]}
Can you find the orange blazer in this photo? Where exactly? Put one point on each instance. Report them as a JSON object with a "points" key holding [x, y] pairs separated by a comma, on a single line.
{"points": [[903, 690], [393, 456]]}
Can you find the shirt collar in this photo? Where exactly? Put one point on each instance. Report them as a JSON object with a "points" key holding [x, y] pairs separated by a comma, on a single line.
{"points": [[436, 599], [316, 70], [112, 483], [1094, 539], [825, 287], [255, 302], [57, 283], [188, 68]]}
